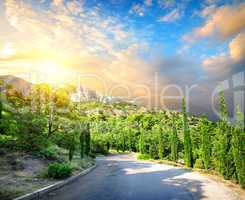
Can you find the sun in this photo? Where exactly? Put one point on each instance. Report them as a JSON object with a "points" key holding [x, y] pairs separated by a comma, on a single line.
{"points": [[7, 50], [49, 67], [52, 71]]}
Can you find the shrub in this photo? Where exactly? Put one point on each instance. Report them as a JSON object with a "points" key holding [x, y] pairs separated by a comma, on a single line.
{"points": [[7, 142], [50, 153], [199, 164], [31, 135], [144, 157], [59, 170], [99, 147], [8, 193]]}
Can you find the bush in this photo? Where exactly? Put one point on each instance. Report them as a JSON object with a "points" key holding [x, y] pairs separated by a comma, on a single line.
{"points": [[59, 170], [8, 193], [199, 164], [50, 153], [99, 147], [144, 157], [7, 142], [31, 135]]}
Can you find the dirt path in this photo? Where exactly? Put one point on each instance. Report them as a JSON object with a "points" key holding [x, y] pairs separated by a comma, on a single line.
{"points": [[122, 177]]}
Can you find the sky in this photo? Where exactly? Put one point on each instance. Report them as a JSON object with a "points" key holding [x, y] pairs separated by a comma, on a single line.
{"points": [[150, 50]]}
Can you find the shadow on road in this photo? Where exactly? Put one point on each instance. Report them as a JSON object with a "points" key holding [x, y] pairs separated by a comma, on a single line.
{"points": [[121, 179]]}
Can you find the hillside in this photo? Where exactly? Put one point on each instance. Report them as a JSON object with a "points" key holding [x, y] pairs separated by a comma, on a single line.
{"points": [[18, 84]]}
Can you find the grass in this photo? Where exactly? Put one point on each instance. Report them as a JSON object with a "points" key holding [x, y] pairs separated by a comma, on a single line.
{"points": [[8, 194], [21, 181], [114, 151], [79, 164], [143, 157]]}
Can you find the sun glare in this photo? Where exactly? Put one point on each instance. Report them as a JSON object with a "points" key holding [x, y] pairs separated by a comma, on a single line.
{"points": [[52, 71], [7, 50]]}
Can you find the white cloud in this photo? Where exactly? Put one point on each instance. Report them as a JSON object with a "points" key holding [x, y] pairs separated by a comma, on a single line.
{"points": [[138, 9], [172, 16], [148, 2], [237, 47], [58, 2], [88, 43], [207, 11], [166, 3], [223, 63], [211, 2], [224, 22], [75, 7], [215, 65]]}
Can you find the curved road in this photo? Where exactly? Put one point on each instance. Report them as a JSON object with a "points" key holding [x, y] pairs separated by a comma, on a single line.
{"points": [[122, 177]]}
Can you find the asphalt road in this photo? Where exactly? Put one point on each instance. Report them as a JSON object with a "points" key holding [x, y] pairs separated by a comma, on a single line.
{"points": [[122, 177]]}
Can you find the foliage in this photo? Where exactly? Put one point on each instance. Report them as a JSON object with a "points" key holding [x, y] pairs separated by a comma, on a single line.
{"points": [[142, 142], [199, 164], [31, 135], [205, 142], [59, 170], [238, 147], [51, 152], [47, 119], [222, 148], [1, 109], [187, 138], [7, 141], [72, 147], [143, 157], [87, 139], [174, 141]]}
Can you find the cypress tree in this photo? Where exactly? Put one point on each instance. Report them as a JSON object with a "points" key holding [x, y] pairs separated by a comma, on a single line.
{"points": [[72, 148], [123, 141], [87, 139], [1, 108], [238, 147], [174, 141], [160, 142], [142, 142], [130, 138], [82, 144], [205, 142], [187, 138], [224, 157]]}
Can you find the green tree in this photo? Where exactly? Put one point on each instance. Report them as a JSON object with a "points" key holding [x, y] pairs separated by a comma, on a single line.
{"points": [[223, 153], [238, 147], [174, 141], [187, 138], [72, 147], [122, 133], [205, 142], [1, 108], [87, 138], [31, 135], [142, 142], [82, 143], [160, 144]]}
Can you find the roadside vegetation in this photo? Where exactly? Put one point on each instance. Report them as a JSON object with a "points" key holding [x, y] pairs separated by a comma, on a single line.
{"points": [[161, 135], [66, 136], [43, 137]]}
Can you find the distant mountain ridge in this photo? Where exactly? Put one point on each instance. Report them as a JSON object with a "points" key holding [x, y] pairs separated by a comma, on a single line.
{"points": [[82, 94], [19, 84]]}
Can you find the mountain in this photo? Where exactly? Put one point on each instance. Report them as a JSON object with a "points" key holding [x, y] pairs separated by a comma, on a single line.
{"points": [[18, 84], [82, 94]]}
